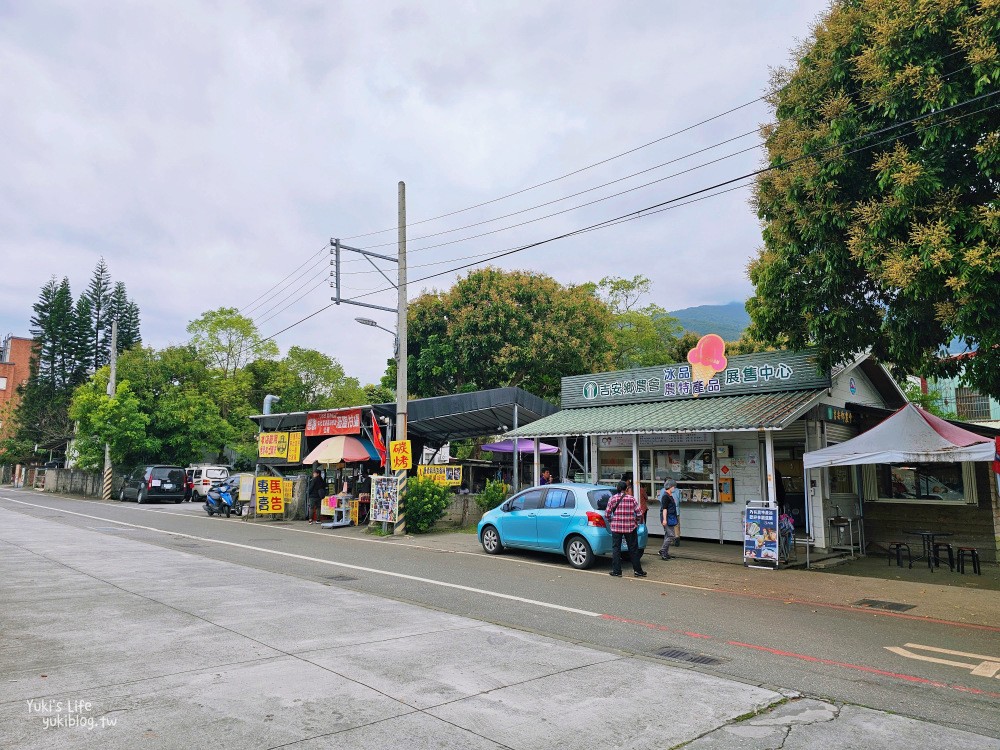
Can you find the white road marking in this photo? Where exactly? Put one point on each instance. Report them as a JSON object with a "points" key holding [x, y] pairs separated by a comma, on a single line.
{"points": [[987, 666], [361, 568], [498, 559]]}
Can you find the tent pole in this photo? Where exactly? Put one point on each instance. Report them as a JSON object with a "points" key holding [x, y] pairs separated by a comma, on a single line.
{"points": [[517, 455]]}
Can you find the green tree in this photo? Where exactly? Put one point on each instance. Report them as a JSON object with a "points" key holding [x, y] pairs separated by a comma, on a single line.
{"points": [[498, 328], [644, 334], [893, 248], [117, 421], [228, 341]]}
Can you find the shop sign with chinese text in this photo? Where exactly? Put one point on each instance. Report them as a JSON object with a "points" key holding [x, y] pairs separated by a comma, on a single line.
{"points": [[449, 475], [334, 422], [400, 455], [272, 445], [272, 492], [763, 372]]}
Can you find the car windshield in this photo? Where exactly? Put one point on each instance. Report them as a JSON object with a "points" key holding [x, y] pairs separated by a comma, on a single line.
{"points": [[216, 473], [169, 474], [599, 499]]}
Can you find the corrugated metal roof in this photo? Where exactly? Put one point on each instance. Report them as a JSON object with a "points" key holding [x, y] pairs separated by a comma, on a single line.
{"points": [[757, 411]]}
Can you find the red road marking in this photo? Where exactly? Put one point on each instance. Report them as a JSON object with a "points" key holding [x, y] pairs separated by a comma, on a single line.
{"points": [[806, 657]]}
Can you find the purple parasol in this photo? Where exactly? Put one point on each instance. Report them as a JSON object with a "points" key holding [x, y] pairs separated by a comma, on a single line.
{"points": [[524, 445]]}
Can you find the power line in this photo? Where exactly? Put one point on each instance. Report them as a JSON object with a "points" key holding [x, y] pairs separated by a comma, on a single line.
{"points": [[569, 174], [250, 305], [670, 203]]}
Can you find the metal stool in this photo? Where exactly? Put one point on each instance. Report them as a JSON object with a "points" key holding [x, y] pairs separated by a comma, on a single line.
{"points": [[938, 546], [973, 554], [899, 547]]}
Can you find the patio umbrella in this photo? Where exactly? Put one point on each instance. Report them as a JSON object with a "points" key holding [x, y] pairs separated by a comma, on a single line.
{"points": [[338, 449], [524, 445]]}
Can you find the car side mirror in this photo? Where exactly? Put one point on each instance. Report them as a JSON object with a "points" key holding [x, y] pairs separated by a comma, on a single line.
{"points": [[505, 507]]}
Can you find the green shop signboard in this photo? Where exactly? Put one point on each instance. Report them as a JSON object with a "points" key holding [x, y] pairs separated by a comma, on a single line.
{"points": [[701, 376]]}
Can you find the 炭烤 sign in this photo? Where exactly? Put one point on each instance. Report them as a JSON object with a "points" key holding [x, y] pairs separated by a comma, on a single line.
{"points": [[401, 455]]}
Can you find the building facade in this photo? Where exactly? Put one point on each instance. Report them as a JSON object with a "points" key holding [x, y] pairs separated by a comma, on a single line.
{"points": [[15, 367]]}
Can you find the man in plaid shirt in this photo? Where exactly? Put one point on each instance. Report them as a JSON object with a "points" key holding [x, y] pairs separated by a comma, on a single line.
{"points": [[623, 520]]}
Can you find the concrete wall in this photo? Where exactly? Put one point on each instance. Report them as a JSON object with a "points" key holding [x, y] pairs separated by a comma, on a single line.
{"points": [[78, 482]]}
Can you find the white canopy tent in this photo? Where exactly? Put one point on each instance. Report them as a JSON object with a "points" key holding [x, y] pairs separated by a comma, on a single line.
{"points": [[910, 435]]}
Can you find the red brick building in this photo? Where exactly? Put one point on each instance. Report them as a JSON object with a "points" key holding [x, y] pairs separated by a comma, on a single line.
{"points": [[15, 366]]}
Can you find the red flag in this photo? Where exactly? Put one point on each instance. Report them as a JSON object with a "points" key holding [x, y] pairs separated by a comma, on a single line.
{"points": [[377, 438], [996, 457]]}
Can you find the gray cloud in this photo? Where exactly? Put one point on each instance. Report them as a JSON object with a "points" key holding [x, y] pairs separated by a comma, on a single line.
{"points": [[194, 143]]}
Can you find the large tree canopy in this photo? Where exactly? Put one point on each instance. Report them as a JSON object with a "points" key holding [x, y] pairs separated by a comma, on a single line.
{"points": [[888, 242], [498, 328]]}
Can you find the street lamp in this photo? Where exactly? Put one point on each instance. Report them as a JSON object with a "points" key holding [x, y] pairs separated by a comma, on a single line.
{"points": [[374, 324]]}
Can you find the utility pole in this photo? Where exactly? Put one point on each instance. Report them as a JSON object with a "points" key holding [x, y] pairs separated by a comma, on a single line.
{"points": [[106, 490], [401, 392]]}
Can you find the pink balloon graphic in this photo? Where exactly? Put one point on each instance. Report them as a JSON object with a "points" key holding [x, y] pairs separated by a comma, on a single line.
{"points": [[709, 351]]}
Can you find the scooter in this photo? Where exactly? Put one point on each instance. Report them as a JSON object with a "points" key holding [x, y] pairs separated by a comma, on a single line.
{"points": [[221, 499]]}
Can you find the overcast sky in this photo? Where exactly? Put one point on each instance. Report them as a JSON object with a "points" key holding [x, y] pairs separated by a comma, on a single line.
{"points": [[208, 150]]}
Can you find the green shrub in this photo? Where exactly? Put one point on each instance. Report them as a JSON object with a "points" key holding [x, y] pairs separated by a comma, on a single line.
{"points": [[425, 503], [494, 493]]}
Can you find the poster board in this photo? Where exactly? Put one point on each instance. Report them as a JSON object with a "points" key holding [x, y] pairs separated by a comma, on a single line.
{"points": [[272, 495], [760, 536], [385, 499]]}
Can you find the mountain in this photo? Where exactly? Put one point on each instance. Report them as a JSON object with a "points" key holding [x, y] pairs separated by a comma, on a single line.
{"points": [[729, 320]]}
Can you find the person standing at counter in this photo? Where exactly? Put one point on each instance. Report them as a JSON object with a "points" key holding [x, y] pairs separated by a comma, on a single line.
{"points": [[317, 491], [642, 497]]}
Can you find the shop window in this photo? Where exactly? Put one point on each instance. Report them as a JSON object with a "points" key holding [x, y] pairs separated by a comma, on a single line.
{"points": [[922, 482], [971, 405], [692, 470], [841, 480]]}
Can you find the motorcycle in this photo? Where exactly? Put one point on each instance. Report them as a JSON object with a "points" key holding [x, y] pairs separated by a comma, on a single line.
{"points": [[223, 498]]}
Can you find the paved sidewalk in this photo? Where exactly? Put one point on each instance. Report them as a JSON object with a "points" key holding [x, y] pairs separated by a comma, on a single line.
{"points": [[112, 643]]}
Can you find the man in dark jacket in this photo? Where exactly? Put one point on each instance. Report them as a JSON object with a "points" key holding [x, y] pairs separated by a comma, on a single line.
{"points": [[317, 491]]}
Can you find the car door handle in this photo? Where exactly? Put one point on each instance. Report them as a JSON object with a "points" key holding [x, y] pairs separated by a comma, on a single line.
{"points": [[564, 515], [531, 515]]}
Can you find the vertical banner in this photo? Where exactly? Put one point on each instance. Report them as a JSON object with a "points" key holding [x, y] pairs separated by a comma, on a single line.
{"points": [[385, 499], [294, 447], [760, 535], [401, 452]]}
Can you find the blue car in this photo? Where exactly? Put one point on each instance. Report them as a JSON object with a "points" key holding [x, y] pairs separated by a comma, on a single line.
{"points": [[567, 519]]}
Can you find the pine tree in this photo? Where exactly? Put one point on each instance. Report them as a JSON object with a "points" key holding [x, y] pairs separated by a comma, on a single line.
{"points": [[128, 327], [83, 339], [99, 295]]}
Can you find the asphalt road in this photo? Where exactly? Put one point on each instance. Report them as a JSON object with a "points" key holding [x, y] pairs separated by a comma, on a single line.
{"points": [[833, 653]]}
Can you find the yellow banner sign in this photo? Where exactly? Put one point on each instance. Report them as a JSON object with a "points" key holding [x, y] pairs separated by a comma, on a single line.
{"points": [[401, 454], [294, 447], [449, 475], [271, 494], [272, 444]]}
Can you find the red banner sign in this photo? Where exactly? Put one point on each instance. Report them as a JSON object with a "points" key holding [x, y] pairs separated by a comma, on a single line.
{"points": [[336, 422]]}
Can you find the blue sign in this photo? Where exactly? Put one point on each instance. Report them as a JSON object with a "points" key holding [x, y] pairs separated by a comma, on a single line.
{"points": [[760, 535]]}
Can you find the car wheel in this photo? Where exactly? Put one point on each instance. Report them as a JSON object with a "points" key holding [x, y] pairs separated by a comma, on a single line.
{"points": [[139, 498], [491, 541], [579, 553]]}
